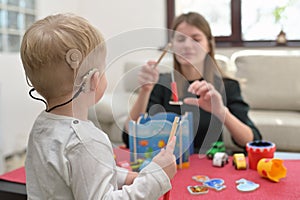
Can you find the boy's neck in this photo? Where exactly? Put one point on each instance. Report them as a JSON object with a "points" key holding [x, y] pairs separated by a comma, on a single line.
{"points": [[73, 109], [68, 111]]}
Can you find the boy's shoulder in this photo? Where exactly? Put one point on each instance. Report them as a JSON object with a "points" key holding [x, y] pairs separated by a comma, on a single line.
{"points": [[67, 129]]}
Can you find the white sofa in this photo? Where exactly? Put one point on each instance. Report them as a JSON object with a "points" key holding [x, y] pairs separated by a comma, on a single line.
{"points": [[269, 82]]}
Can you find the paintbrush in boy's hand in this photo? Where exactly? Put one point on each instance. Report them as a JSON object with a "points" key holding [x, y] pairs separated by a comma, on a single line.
{"points": [[174, 128]]}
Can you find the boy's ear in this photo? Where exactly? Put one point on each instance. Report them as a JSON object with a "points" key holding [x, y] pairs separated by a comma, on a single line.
{"points": [[73, 58], [95, 81], [88, 80]]}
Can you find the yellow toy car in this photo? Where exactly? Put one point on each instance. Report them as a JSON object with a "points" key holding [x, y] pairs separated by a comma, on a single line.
{"points": [[239, 161]]}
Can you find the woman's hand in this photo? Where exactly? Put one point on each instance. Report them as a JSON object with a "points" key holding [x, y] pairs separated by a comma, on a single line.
{"points": [[148, 76], [209, 99]]}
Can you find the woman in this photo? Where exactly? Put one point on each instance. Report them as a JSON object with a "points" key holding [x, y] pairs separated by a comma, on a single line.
{"points": [[214, 99]]}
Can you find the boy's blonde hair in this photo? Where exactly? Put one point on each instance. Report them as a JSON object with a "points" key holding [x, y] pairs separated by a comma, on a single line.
{"points": [[44, 48]]}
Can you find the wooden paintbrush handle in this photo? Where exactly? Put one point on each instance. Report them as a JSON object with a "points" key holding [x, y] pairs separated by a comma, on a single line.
{"points": [[174, 128]]}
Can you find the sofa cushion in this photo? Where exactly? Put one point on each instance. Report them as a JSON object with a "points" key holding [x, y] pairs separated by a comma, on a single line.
{"points": [[280, 127], [270, 78]]}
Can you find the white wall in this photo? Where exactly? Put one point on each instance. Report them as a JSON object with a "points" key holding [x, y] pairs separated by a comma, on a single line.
{"points": [[17, 109], [122, 23]]}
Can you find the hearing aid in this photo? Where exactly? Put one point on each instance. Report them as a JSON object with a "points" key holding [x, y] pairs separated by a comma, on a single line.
{"points": [[73, 58]]}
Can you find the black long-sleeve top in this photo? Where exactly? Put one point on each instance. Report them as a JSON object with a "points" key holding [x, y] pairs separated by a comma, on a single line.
{"points": [[207, 128]]}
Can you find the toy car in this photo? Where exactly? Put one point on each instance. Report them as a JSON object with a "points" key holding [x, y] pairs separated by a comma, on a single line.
{"points": [[239, 161], [220, 159], [216, 147]]}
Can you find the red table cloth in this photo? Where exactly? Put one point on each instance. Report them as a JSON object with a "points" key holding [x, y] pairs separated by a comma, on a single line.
{"points": [[16, 176], [288, 188]]}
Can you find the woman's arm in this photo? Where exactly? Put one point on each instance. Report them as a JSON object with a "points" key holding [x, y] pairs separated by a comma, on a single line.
{"points": [[235, 117], [147, 78], [238, 109], [240, 132], [139, 106]]}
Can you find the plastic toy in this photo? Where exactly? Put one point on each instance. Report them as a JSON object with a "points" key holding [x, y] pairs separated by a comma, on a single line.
{"points": [[246, 186], [200, 178], [239, 161], [216, 147], [175, 100], [259, 149], [220, 159], [272, 169], [135, 166], [151, 133], [197, 189], [215, 183]]}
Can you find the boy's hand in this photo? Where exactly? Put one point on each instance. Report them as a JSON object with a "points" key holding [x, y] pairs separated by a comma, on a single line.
{"points": [[130, 177], [166, 159]]}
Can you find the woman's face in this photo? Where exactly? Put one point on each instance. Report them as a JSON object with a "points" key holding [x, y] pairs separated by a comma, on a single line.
{"points": [[190, 45]]}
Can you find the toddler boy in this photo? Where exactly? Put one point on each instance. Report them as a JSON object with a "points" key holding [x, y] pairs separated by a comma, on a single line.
{"points": [[67, 156]]}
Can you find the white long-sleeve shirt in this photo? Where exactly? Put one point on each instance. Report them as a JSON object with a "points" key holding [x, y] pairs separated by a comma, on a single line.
{"points": [[69, 158]]}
